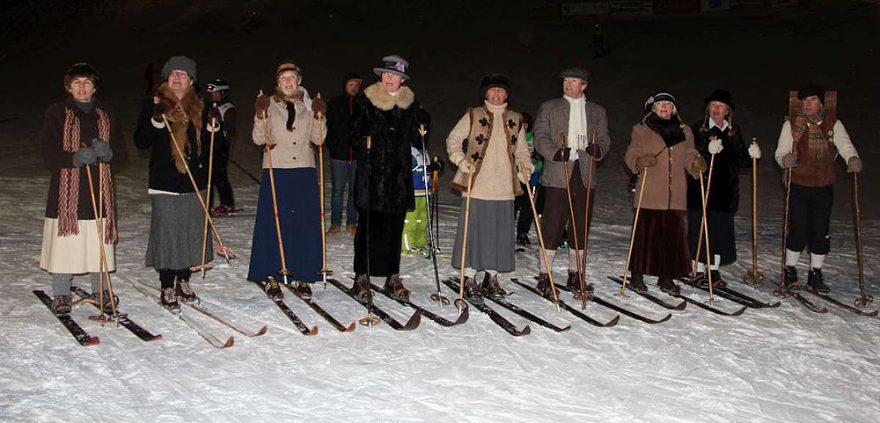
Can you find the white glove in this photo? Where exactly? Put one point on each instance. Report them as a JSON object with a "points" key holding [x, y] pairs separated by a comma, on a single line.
{"points": [[715, 146], [466, 166], [525, 171], [754, 151]]}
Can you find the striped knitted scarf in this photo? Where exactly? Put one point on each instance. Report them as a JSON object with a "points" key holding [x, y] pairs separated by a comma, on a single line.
{"points": [[818, 141], [68, 189]]}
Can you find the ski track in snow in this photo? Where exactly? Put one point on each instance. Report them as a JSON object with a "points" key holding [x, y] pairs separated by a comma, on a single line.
{"points": [[770, 365]]}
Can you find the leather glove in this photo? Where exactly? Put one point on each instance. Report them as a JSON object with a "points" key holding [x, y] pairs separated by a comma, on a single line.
{"points": [[160, 108], [261, 105], [84, 156], [102, 150], [525, 171], [854, 164], [788, 161], [214, 115], [466, 166], [594, 150], [319, 107], [646, 161], [715, 146], [697, 166], [754, 151], [562, 155]]}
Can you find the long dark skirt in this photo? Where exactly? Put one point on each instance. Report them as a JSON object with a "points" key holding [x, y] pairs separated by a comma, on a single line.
{"points": [[386, 235], [660, 247], [490, 236], [176, 232], [722, 235], [300, 217]]}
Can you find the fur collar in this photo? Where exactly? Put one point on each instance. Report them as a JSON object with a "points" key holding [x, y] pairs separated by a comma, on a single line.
{"points": [[281, 98], [182, 112], [384, 101]]}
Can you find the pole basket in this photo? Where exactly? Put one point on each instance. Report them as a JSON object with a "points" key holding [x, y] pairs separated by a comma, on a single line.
{"points": [[754, 278]]}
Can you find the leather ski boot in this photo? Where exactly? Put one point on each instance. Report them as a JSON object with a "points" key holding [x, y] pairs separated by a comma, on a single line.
{"points": [[791, 278], [717, 281], [107, 308], [544, 285], [61, 305], [574, 284], [363, 293], [168, 299], [668, 286], [273, 290], [816, 282], [492, 288], [394, 287], [637, 282], [303, 290], [472, 291], [184, 292]]}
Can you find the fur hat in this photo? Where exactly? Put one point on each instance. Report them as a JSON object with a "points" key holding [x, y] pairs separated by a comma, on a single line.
{"points": [[812, 90], [393, 64], [495, 80], [661, 95], [182, 63], [288, 65], [576, 72], [722, 96], [78, 70]]}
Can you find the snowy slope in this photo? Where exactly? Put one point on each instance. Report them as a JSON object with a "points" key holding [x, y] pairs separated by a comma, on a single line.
{"points": [[771, 365]]}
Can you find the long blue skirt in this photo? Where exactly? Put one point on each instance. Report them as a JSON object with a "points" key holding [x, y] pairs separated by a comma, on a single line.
{"points": [[300, 217]]}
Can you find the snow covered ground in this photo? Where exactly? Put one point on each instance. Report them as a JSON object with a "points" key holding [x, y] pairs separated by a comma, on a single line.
{"points": [[770, 365]]}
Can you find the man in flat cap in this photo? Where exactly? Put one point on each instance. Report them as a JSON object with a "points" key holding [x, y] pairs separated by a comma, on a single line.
{"points": [[569, 133], [810, 140]]}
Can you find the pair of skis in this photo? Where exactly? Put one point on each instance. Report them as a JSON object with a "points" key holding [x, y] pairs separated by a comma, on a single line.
{"points": [[153, 293], [685, 300], [80, 334]]}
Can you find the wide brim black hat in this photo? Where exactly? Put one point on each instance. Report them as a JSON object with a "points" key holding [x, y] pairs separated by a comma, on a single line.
{"points": [[722, 96]]}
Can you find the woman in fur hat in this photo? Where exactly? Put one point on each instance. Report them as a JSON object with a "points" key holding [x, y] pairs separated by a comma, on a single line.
{"points": [[717, 134], [386, 113], [177, 217], [291, 123], [77, 133], [488, 144], [661, 149]]}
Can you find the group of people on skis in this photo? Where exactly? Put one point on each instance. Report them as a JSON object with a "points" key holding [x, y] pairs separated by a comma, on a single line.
{"points": [[682, 171]]}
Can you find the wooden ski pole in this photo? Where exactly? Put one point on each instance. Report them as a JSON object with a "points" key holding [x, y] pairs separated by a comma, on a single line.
{"points": [[632, 237], [268, 154], [105, 268], [782, 286], [864, 299], [202, 266], [703, 224], [460, 303], [754, 278], [324, 270], [706, 232], [547, 267], [573, 236], [223, 249], [587, 223]]}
